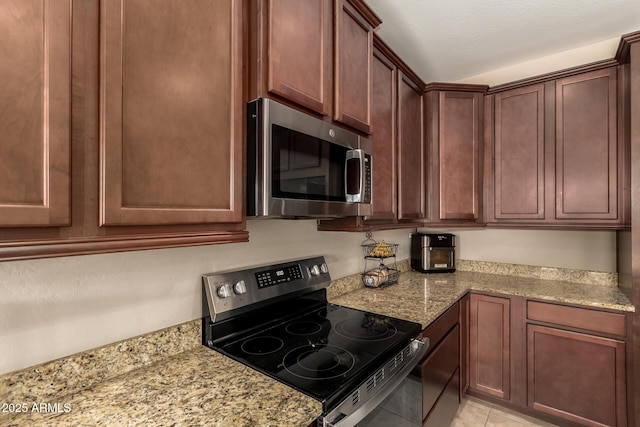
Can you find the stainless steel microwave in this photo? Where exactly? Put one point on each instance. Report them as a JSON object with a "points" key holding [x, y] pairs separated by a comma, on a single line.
{"points": [[301, 166]]}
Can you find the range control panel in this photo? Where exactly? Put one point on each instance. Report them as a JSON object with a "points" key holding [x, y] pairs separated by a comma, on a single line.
{"points": [[232, 290], [278, 275]]}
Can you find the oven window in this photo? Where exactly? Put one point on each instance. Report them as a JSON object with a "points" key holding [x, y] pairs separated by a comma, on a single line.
{"points": [[305, 167], [440, 258]]}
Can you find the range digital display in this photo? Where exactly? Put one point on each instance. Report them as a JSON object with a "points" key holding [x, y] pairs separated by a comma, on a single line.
{"points": [[278, 275]]}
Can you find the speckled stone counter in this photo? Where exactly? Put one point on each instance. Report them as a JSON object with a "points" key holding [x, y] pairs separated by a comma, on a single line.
{"points": [[195, 387], [423, 297], [168, 378]]}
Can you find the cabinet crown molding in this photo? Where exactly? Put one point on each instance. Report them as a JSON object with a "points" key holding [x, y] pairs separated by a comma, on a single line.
{"points": [[622, 55], [554, 75], [366, 12], [456, 87]]}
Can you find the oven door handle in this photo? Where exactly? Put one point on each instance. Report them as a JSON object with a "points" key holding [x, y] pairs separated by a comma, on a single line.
{"points": [[338, 419]]}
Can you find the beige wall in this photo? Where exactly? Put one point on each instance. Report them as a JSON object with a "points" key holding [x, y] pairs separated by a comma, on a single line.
{"points": [[559, 61], [581, 250], [55, 307]]}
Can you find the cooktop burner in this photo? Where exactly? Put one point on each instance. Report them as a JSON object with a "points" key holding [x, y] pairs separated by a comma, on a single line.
{"points": [[258, 346], [318, 361], [367, 329], [303, 328]]}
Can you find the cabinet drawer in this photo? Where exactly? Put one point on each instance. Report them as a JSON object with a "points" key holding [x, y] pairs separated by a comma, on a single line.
{"points": [[438, 367], [583, 318], [437, 330]]}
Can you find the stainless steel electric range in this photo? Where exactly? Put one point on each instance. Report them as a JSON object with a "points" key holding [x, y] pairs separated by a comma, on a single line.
{"points": [[276, 319]]}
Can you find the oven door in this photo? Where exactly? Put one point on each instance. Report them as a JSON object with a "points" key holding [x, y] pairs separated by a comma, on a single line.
{"points": [[394, 376], [436, 258], [403, 407]]}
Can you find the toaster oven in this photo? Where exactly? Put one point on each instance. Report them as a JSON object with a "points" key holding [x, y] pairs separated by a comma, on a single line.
{"points": [[433, 253]]}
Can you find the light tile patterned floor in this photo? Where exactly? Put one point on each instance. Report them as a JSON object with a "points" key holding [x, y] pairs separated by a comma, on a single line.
{"points": [[476, 413]]}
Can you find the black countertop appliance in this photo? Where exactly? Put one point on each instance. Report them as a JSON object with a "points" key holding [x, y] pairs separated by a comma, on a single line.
{"points": [[433, 253]]}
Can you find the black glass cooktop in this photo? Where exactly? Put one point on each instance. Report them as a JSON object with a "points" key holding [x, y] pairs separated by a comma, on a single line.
{"points": [[325, 350]]}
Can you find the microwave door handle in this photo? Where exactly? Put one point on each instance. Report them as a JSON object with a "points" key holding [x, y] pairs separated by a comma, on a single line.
{"points": [[357, 196]]}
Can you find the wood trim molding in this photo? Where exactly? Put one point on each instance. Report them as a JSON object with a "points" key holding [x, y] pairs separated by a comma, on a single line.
{"points": [[594, 66], [366, 12], [622, 55], [379, 44], [101, 244], [456, 87]]}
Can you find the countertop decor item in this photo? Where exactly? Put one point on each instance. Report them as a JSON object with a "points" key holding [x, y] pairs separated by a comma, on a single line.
{"points": [[377, 271]]}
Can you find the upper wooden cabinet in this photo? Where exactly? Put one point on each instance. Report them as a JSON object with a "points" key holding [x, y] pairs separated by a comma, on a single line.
{"points": [[383, 135], [35, 124], [587, 154], [314, 55], [411, 151], [518, 154], [352, 80], [298, 71], [397, 133], [150, 152], [454, 145], [171, 132], [553, 154]]}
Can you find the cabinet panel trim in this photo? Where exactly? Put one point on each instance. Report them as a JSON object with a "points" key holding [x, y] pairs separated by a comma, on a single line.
{"points": [[112, 209], [539, 211], [446, 212], [564, 189], [618, 411], [502, 354], [53, 206], [313, 100], [582, 318]]}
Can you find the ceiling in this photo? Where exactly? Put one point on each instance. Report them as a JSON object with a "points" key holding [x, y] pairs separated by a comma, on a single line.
{"points": [[455, 39]]}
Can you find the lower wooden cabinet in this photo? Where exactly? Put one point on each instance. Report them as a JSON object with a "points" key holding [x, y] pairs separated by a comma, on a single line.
{"points": [[549, 359], [576, 376], [489, 345], [440, 370]]}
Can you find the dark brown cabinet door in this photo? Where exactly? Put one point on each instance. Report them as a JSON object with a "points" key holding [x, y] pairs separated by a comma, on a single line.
{"points": [[383, 135], [454, 142], [297, 51], [489, 345], [517, 187], [171, 139], [352, 82], [575, 376], [587, 147], [459, 142], [35, 123], [553, 155], [411, 150]]}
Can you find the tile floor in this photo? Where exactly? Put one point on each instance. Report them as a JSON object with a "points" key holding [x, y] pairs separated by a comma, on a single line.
{"points": [[476, 413]]}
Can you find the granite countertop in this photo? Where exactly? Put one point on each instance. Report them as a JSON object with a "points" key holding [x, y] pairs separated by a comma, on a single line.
{"points": [[423, 297], [168, 378], [195, 387]]}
